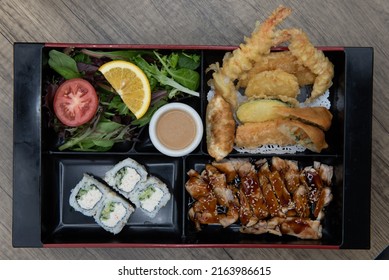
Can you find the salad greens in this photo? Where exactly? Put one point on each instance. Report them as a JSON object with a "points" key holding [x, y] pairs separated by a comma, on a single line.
{"points": [[153, 72], [101, 136], [185, 76], [64, 65], [171, 76]]}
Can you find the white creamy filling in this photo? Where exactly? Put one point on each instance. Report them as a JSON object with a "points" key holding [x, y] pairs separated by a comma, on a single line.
{"points": [[152, 202], [115, 216], [129, 180], [89, 200]]}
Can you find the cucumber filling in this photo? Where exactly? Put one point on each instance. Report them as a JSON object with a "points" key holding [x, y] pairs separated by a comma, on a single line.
{"points": [[126, 179], [112, 214], [150, 198], [88, 197]]}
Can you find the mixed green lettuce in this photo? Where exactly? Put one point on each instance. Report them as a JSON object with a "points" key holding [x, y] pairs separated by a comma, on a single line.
{"points": [[171, 76]]}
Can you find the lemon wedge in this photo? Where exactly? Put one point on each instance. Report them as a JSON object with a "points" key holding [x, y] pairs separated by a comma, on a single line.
{"points": [[131, 83]]}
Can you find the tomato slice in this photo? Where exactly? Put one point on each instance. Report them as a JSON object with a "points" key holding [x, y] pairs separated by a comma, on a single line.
{"points": [[75, 102]]}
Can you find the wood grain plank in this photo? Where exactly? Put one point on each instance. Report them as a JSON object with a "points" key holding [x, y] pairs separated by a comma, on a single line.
{"points": [[6, 116]]}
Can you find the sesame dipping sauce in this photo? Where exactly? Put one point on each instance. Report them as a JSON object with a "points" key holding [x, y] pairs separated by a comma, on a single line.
{"points": [[176, 129]]}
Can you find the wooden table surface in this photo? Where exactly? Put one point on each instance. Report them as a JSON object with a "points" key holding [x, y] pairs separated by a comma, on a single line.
{"points": [[333, 23]]}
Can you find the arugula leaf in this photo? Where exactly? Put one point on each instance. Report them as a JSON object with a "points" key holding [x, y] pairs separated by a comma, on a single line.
{"points": [[186, 77], [119, 106], [152, 70], [170, 82], [63, 65]]}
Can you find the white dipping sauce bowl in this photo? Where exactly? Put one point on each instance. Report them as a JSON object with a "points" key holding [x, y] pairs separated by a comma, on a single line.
{"points": [[153, 129]]}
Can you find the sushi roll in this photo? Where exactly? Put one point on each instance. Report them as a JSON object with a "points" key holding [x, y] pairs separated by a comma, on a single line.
{"points": [[113, 213], [126, 176], [88, 195], [151, 196]]}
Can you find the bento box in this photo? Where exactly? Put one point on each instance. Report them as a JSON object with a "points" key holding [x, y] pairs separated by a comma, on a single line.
{"points": [[44, 176]]}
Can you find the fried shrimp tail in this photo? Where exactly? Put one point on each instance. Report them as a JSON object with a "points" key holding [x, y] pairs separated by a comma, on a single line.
{"points": [[258, 44], [242, 59], [282, 60], [313, 59]]}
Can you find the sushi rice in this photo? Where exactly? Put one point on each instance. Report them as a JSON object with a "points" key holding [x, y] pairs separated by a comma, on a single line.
{"points": [[93, 198], [151, 196], [87, 196], [126, 176], [113, 213]]}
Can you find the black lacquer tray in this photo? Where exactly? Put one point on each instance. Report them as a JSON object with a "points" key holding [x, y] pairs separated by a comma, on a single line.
{"points": [[43, 176]]}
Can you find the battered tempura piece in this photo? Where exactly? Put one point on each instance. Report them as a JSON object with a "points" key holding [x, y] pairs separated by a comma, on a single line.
{"points": [[253, 135], [280, 132], [224, 86], [241, 59], [319, 116], [312, 58], [220, 128], [260, 110], [283, 60], [308, 136], [273, 83]]}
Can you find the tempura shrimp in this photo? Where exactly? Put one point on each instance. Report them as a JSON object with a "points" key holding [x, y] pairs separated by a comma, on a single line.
{"points": [[243, 58], [310, 57]]}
